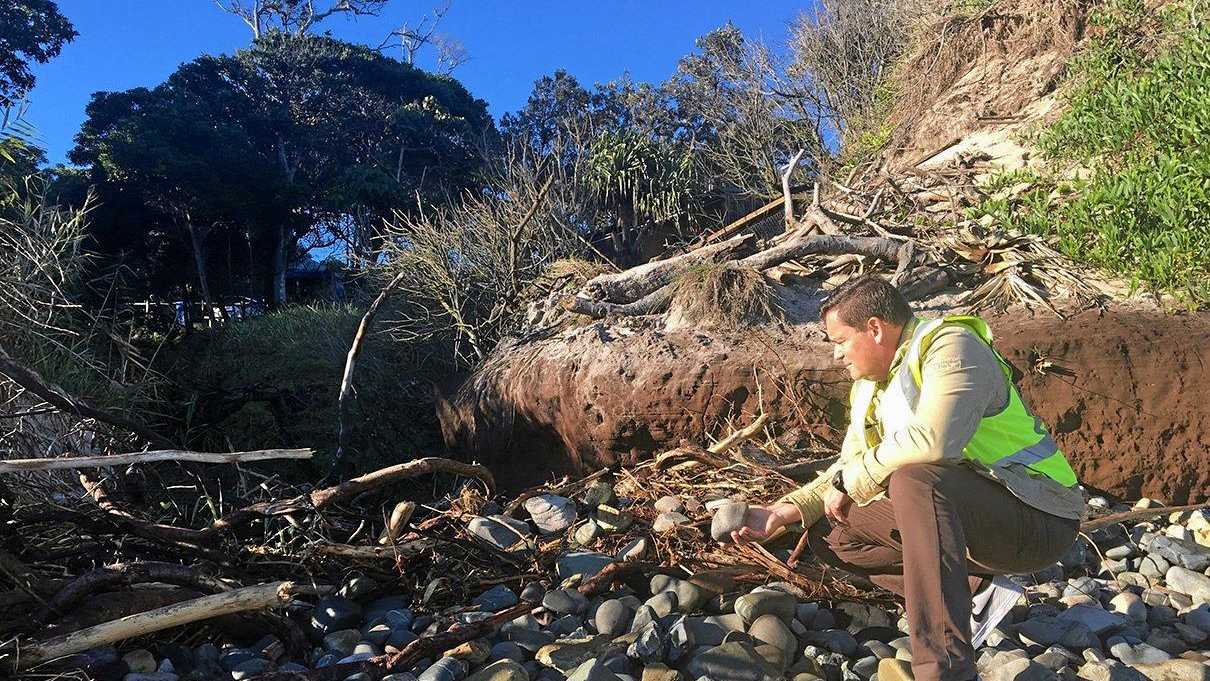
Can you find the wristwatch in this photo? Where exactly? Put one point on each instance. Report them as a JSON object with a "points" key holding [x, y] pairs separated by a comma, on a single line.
{"points": [[838, 482]]}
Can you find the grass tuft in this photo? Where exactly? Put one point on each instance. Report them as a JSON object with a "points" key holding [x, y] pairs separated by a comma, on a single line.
{"points": [[725, 296]]}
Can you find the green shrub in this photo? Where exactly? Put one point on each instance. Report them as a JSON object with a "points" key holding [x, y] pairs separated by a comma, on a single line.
{"points": [[1139, 121], [273, 381]]}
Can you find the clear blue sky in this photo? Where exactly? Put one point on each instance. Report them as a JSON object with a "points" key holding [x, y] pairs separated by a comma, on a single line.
{"points": [[131, 43]]}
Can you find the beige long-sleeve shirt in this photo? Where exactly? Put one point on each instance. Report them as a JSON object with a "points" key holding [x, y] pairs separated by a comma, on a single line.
{"points": [[962, 382]]}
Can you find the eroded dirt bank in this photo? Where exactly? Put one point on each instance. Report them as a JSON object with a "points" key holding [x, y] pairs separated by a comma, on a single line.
{"points": [[1123, 394]]}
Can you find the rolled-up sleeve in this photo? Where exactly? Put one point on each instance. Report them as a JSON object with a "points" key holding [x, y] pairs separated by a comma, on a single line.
{"points": [[962, 381], [809, 498]]}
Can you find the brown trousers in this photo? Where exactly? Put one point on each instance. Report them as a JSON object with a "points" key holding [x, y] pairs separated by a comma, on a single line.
{"points": [[940, 530]]}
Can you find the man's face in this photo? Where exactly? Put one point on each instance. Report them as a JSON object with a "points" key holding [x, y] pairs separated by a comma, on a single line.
{"points": [[863, 351]]}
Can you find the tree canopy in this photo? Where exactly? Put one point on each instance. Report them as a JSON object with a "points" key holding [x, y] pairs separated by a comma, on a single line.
{"points": [[297, 137], [30, 30]]}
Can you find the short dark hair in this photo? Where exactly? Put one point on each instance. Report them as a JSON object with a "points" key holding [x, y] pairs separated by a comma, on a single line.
{"points": [[869, 295]]}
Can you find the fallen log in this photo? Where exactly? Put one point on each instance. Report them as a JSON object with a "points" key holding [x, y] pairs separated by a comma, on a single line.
{"points": [[825, 244], [653, 303], [637, 282], [125, 574], [259, 597], [44, 464]]}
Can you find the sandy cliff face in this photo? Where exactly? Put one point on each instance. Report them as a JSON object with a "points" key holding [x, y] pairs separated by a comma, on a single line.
{"points": [[1119, 393]]}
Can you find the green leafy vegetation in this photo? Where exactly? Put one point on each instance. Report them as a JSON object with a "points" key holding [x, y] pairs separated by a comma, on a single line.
{"points": [[272, 381], [1139, 123]]}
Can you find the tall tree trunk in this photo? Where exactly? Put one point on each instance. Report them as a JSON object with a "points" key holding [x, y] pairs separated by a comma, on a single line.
{"points": [[198, 241], [281, 247]]}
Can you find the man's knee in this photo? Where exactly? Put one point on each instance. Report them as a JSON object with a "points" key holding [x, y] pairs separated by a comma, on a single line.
{"points": [[914, 479]]}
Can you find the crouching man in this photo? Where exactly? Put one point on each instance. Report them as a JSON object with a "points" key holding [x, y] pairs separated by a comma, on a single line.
{"points": [[945, 479]]}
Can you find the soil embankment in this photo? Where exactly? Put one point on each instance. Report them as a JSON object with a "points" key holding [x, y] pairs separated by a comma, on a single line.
{"points": [[1120, 393]]}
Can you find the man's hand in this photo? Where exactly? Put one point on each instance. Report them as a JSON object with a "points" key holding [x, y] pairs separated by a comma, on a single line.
{"points": [[762, 521], [836, 506]]}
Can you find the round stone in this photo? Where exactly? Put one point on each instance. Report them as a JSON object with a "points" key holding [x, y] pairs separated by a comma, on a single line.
{"points": [[667, 504], [140, 661], [753, 605], [587, 533], [334, 613], [668, 521], [612, 617], [506, 650], [1129, 605], [565, 601], [728, 518], [772, 630], [551, 513], [498, 597]]}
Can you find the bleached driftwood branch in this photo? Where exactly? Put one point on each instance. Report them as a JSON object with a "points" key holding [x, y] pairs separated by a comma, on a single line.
{"points": [[55, 463], [259, 597]]}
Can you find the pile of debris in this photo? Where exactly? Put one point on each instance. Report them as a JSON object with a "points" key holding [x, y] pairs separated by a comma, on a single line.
{"points": [[916, 226], [614, 576]]}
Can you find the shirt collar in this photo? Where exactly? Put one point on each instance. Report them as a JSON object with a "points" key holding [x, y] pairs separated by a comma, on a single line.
{"points": [[905, 341]]}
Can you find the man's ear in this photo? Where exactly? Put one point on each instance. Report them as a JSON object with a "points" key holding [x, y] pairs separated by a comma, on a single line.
{"points": [[876, 328]]}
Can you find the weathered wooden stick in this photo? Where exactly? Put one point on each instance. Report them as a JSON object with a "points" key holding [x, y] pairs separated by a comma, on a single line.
{"points": [[20, 465], [346, 378], [1138, 514], [637, 282], [885, 249], [388, 552], [259, 597], [785, 187], [653, 303], [58, 398], [741, 435]]}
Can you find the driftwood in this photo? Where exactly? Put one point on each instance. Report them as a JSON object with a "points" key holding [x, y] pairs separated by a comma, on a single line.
{"points": [[406, 549], [636, 282], [21, 465], [125, 574], [343, 401], [742, 435], [653, 303], [58, 398], [823, 244], [1138, 514], [258, 597], [312, 501]]}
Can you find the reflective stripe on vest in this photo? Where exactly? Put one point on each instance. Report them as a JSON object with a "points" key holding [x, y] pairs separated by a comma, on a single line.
{"points": [[1041, 455]]}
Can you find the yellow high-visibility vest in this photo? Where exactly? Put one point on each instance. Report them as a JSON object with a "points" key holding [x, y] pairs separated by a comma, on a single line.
{"points": [[1013, 435]]}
